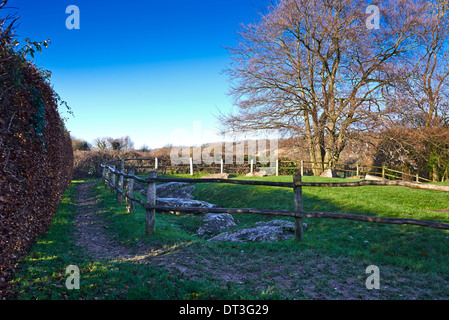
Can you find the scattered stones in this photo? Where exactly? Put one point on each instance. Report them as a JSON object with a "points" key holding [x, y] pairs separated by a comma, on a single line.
{"points": [[216, 222], [275, 230]]}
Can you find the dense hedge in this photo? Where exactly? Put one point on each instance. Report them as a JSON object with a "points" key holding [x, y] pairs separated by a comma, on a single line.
{"points": [[36, 157], [87, 164]]}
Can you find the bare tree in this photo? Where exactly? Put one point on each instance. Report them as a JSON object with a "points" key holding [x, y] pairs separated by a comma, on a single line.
{"points": [[419, 100], [101, 143], [312, 67], [120, 144]]}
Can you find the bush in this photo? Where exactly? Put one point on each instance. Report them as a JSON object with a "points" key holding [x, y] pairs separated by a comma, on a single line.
{"points": [[87, 164], [36, 157]]}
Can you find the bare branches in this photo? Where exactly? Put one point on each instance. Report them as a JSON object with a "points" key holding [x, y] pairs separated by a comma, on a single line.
{"points": [[314, 68]]}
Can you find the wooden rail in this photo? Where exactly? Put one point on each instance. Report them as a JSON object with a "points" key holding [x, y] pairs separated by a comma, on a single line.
{"points": [[110, 172], [302, 165]]}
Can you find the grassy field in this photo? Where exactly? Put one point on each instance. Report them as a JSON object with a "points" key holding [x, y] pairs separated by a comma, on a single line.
{"points": [[329, 264]]}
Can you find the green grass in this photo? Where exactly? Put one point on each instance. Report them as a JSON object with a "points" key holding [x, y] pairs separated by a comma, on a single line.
{"points": [[329, 263], [414, 247], [41, 274]]}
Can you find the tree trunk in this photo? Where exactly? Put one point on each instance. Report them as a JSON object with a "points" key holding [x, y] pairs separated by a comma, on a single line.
{"points": [[434, 173]]}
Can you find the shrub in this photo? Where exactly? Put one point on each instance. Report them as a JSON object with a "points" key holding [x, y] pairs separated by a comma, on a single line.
{"points": [[36, 157]]}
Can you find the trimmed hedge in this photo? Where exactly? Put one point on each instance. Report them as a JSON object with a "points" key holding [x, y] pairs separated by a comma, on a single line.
{"points": [[36, 157]]}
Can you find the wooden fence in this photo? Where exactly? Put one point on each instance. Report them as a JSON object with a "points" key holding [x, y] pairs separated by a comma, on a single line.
{"points": [[111, 171], [280, 167], [347, 170]]}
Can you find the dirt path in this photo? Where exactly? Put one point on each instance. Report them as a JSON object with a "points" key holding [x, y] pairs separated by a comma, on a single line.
{"points": [[90, 228], [91, 235]]}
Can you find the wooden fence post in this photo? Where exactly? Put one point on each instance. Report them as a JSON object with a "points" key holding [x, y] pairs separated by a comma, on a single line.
{"points": [[298, 207], [383, 171], [113, 180], [106, 177], [417, 177], [130, 191], [151, 199], [191, 166], [156, 164], [221, 166], [252, 166], [302, 167], [358, 170], [120, 182]]}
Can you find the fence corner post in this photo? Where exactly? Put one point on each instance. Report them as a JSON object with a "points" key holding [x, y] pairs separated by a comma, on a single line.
{"points": [[298, 207], [191, 166], [150, 216]]}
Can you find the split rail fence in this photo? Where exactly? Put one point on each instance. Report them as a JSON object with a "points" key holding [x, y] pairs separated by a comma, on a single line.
{"points": [[114, 176], [280, 167]]}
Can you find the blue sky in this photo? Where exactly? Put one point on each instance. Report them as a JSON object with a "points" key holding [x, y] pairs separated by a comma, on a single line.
{"points": [[145, 69]]}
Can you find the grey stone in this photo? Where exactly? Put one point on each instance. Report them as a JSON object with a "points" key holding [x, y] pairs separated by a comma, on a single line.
{"points": [[164, 190], [275, 230], [183, 193], [216, 222], [177, 202]]}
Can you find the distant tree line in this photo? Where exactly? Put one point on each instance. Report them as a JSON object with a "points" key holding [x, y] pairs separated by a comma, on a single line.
{"points": [[105, 144]]}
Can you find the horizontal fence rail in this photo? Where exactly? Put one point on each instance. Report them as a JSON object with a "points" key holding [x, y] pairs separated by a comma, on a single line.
{"points": [[111, 172]]}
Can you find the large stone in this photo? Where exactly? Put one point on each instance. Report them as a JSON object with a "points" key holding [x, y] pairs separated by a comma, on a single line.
{"points": [[328, 173], [216, 222], [261, 173], [183, 193], [177, 202], [219, 176], [275, 230], [165, 189], [372, 178]]}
